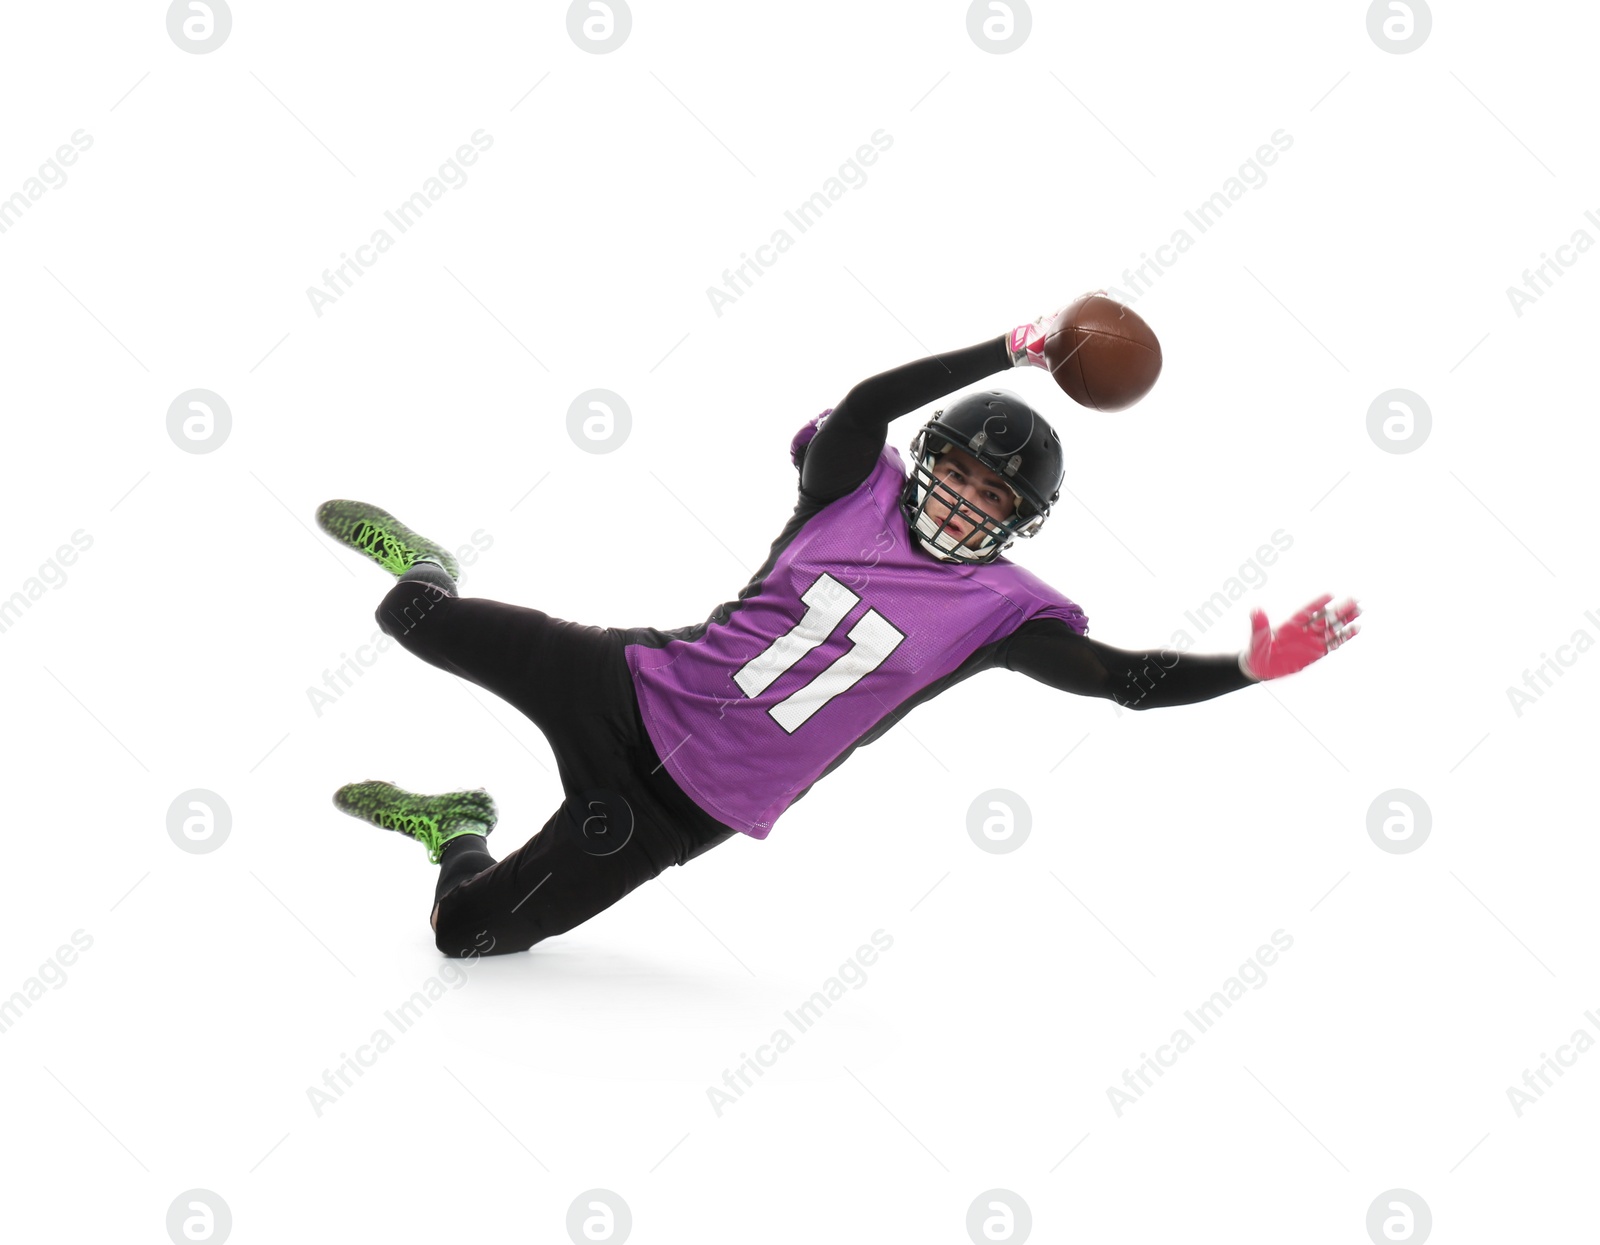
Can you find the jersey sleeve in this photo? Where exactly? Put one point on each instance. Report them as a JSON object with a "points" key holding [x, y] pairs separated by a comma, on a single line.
{"points": [[1068, 614], [1039, 600]]}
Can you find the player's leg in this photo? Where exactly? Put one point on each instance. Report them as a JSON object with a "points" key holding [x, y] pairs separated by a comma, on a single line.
{"points": [[503, 648], [590, 854], [595, 849], [623, 822], [572, 680], [520, 654]]}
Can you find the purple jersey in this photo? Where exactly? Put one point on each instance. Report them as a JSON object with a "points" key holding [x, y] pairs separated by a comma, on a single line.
{"points": [[843, 631]]}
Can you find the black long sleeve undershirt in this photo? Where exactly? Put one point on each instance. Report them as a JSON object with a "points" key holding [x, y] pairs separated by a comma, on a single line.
{"points": [[842, 454], [848, 442], [1052, 652]]}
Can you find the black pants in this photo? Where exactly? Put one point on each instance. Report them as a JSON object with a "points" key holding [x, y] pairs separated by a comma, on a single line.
{"points": [[623, 821]]}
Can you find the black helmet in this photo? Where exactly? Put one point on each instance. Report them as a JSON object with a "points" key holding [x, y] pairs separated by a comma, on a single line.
{"points": [[1007, 436]]}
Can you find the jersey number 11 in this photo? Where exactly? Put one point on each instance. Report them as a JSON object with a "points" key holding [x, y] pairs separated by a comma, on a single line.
{"points": [[827, 602]]}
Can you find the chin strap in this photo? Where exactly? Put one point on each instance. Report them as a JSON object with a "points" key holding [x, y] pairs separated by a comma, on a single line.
{"points": [[929, 530]]}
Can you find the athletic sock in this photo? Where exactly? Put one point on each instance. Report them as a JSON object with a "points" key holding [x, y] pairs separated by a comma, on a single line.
{"points": [[430, 572], [463, 857]]}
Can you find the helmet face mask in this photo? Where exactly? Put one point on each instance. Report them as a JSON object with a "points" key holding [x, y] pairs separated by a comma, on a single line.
{"points": [[1007, 437], [985, 536]]}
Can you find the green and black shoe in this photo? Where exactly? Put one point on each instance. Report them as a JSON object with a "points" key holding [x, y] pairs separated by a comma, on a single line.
{"points": [[432, 820], [381, 537]]}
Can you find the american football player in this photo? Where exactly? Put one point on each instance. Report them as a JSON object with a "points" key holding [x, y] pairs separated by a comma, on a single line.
{"points": [[886, 586]]}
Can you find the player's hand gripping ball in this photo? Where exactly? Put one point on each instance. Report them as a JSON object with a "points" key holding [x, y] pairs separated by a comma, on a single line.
{"points": [[1102, 354], [1311, 634]]}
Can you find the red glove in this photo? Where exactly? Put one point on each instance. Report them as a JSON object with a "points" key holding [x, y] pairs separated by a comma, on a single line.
{"points": [[1311, 634]]}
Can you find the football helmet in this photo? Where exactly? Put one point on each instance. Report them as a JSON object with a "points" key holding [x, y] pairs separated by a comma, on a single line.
{"points": [[1007, 436]]}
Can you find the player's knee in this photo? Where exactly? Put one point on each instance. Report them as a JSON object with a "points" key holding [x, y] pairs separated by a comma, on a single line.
{"points": [[406, 605], [470, 940]]}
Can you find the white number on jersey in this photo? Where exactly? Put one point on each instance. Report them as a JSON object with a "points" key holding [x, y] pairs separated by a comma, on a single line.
{"points": [[827, 602]]}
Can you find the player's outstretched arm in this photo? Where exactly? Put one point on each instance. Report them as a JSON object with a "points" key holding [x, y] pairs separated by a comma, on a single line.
{"points": [[848, 442], [1050, 651]]}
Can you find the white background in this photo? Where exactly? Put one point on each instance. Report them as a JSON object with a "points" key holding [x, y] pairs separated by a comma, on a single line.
{"points": [[978, 1053]]}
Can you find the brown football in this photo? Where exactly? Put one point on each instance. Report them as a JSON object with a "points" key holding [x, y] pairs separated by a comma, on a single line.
{"points": [[1102, 354]]}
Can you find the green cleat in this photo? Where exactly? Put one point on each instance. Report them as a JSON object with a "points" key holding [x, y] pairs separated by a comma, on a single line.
{"points": [[432, 820], [381, 537]]}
